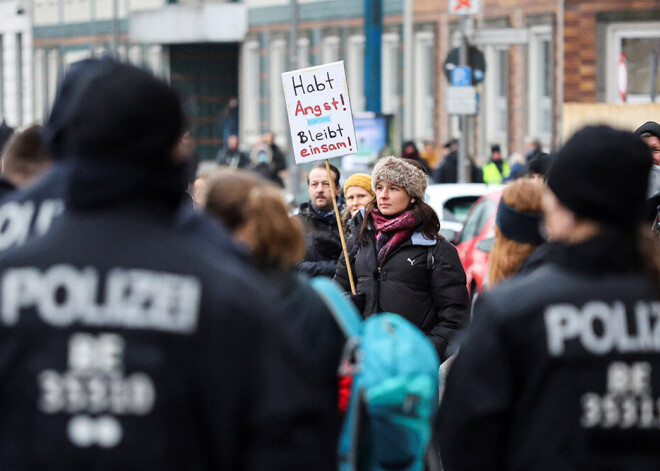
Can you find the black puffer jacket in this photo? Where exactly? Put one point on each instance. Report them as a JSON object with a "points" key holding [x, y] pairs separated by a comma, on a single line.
{"points": [[560, 369], [322, 241], [422, 280]]}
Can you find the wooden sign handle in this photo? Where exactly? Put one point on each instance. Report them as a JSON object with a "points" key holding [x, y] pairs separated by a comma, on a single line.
{"points": [[341, 229]]}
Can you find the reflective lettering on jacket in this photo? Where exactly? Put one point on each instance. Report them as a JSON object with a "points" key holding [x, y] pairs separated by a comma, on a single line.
{"points": [[64, 295]]}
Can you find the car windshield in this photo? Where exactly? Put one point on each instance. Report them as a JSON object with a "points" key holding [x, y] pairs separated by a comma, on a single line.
{"points": [[456, 209]]}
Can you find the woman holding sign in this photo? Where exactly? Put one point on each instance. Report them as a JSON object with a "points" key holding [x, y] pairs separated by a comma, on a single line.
{"points": [[403, 265]]}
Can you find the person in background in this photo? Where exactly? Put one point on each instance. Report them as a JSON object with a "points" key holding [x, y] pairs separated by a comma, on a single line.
{"points": [[402, 263], [231, 156], [534, 149], [25, 157], [409, 151], [649, 132], [357, 193], [518, 168], [517, 234], [255, 212], [539, 167], [229, 120], [560, 367], [447, 171], [496, 170], [321, 231], [430, 155], [268, 160]]}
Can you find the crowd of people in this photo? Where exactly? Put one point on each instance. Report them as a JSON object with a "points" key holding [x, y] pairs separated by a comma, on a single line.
{"points": [[142, 330]]}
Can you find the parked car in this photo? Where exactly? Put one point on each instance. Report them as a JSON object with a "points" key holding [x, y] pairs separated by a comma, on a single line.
{"points": [[452, 202], [475, 241]]}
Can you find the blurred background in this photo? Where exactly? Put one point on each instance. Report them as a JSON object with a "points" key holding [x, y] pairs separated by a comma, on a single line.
{"points": [[539, 68]]}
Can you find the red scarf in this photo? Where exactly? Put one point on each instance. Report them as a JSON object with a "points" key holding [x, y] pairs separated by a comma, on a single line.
{"points": [[391, 232]]}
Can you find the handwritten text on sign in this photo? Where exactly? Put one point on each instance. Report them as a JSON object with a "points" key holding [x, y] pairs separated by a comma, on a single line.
{"points": [[319, 112]]}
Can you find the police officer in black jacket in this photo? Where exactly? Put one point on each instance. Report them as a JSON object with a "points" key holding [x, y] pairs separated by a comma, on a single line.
{"points": [[124, 342], [561, 369]]}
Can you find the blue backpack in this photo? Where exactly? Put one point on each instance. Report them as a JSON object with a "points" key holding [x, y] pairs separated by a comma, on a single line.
{"points": [[394, 395]]}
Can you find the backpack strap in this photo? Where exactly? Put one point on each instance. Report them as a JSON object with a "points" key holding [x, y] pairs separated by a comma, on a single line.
{"points": [[342, 309]]}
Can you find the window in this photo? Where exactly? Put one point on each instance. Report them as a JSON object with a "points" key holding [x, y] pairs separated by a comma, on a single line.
{"points": [[477, 219], [278, 120], [355, 72], [640, 42], [540, 89], [249, 102], [424, 101], [390, 74]]}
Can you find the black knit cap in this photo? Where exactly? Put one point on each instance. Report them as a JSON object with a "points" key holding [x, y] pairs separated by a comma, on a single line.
{"points": [[602, 174], [115, 112], [650, 127]]}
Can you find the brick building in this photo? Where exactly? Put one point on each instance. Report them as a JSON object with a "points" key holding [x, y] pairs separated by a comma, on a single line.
{"points": [[558, 52]]}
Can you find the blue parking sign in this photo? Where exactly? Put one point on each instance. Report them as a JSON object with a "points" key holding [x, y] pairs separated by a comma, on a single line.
{"points": [[461, 76]]}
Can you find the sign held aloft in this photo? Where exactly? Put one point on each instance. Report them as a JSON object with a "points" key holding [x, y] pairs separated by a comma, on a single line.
{"points": [[319, 112]]}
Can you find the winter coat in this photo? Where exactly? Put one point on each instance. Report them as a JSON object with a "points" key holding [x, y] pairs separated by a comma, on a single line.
{"points": [[308, 320], [139, 349], [30, 213], [447, 172], [421, 279], [322, 241], [232, 158], [560, 369]]}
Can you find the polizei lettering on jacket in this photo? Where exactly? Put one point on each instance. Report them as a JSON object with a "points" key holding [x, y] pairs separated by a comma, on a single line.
{"points": [[63, 295], [604, 327]]}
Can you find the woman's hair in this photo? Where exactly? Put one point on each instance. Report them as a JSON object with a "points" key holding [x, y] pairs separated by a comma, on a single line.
{"points": [[508, 255], [255, 212], [424, 213]]}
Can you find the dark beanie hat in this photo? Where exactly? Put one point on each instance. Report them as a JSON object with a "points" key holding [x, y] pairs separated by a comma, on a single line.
{"points": [[540, 164], [602, 174], [110, 111], [650, 127]]}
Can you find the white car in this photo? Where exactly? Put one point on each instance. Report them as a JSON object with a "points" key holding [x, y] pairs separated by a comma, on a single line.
{"points": [[452, 201]]}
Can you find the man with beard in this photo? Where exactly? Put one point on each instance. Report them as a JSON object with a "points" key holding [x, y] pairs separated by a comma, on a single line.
{"points": [[322, 233]]}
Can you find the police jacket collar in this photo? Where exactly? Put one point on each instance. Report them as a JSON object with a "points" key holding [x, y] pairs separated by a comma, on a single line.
{"points": [[606, 253], [95, 184]]}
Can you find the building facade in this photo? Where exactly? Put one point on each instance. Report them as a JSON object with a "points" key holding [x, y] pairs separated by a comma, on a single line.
{"points": [[540, 55], [16, 93]]}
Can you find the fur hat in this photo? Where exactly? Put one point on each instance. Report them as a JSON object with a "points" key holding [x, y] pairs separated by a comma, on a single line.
{"points": [[359, 179], [400, 172]]}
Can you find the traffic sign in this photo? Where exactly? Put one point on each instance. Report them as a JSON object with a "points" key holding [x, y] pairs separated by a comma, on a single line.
{"points": [[622, 77], [476, 61], [462, 100], [464, 7], [461, 76]]}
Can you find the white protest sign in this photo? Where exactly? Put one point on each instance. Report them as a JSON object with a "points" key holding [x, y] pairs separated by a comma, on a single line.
{"points": [[319, 112]]}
